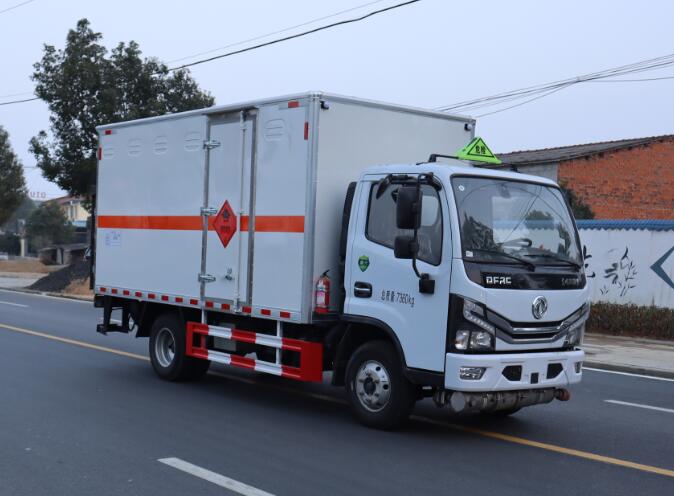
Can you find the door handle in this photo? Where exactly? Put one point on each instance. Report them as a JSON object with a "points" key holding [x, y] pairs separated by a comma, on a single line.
{"points": [[362, 289]]}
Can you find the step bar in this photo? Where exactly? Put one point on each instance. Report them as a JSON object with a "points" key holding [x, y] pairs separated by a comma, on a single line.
{"points": [[311, 354]]}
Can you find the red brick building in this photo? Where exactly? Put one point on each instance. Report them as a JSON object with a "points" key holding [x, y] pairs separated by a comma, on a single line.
{"points": [[626, 179]]}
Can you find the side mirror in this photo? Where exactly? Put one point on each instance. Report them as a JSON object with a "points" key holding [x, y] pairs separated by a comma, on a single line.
{"points": [[408, 208], [405, 247]]}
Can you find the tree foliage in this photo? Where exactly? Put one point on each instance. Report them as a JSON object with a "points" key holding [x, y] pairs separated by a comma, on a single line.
{"points": [[84, 86], [580, 209], [22, 212], [12, 184], [48, 225]]}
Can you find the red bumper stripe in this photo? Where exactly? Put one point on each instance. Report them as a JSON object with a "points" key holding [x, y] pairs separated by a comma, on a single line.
{"points": [[243, 362]]}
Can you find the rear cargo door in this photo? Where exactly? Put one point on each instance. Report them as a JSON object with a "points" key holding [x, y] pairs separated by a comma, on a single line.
{"points": [[229, 193]]}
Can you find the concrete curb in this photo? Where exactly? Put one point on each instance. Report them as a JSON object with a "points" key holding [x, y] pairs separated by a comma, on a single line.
{"points": [[53, 295], [611, 367], [640, 339]]}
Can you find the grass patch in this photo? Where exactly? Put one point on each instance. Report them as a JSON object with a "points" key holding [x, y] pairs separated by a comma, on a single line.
{"points": [[631, 320], [30, 265]]}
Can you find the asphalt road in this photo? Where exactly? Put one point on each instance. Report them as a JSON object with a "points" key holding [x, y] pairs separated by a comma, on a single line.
{"points": [[84, 414]]}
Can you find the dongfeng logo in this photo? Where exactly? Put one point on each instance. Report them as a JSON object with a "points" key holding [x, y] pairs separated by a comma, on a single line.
{"points": [[539, 307]]}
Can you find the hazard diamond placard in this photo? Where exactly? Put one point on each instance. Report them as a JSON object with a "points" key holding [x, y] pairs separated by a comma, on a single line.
{"points": [[225, 224], [477, 151]]}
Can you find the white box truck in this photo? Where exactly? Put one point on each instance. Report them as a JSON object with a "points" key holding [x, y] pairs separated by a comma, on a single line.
{"points": [[268, 235]]}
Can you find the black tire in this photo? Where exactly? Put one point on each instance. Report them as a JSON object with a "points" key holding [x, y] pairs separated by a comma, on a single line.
{"points": [[401, 393], [175, 366]]}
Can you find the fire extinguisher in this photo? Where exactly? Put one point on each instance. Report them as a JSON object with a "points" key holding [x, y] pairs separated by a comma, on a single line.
{"points": [[323, 293]]}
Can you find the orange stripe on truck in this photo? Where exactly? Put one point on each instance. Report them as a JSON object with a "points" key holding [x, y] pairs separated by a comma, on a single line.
{"points": [[172, 223], [275, 223], [263, 223]]}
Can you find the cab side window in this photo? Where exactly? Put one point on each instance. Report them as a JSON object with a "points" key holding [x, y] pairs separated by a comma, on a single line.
{"points": [[381, 222]]}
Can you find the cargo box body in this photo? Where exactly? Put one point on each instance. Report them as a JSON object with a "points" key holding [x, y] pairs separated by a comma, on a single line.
{"points": [[239, 208]]}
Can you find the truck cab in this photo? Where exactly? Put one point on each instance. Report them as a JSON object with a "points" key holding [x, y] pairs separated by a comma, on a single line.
{"points": [[478, 274]]}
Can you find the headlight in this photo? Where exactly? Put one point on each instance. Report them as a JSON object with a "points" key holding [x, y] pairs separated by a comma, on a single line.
{"points": [[474, 332], [462, 339], [480, 340], [474, 313], [575, 335]]}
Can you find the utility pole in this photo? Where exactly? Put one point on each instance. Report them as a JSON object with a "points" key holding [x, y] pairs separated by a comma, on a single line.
{"points": [[22, 237]]}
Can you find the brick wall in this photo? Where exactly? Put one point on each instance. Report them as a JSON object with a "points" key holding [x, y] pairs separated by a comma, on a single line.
{"points": [[635, 183]]}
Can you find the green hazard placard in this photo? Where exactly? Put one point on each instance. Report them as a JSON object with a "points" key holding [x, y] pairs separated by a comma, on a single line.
{"points": [[477, 151]]}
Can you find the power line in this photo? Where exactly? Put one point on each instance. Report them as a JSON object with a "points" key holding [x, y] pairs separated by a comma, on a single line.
{"points": [[290, 28], [631, 68], [298, 35], [630, 80], [279, 40], [19, 101], [16, 6], [524, 102], [554, 86]]}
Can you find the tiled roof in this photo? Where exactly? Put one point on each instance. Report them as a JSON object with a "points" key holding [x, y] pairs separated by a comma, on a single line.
{"points": [[636, 224], [559, 154]]}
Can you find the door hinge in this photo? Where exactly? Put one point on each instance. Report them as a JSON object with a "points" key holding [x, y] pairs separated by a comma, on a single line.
{"points": [[209, 211], [209, 144], [206, 278]]}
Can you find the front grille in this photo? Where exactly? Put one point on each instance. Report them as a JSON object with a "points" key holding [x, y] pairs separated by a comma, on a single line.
{"points": [[516, 332]]}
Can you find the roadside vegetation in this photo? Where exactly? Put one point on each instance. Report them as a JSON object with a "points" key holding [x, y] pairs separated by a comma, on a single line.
{"points": [[25, 265], [631, 321], [85, 85]]}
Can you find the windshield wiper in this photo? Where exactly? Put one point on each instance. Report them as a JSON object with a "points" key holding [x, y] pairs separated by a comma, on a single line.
{"points": [[530, 265], [556, 258]]}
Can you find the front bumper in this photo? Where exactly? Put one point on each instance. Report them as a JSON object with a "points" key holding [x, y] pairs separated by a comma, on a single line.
{"points": [[531, 363]]}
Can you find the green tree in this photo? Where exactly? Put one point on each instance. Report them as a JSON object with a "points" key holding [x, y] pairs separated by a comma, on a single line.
{"points": [[48, 225], [580, 209], [23, 211], [12, 184], [84, 86]]}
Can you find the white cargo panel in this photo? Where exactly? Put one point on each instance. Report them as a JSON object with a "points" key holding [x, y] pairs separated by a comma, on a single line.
{"points": [[272, 173], [150, 191]]}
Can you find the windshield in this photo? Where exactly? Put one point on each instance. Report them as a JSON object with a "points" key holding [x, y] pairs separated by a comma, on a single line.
{"points": [[514, 222]]}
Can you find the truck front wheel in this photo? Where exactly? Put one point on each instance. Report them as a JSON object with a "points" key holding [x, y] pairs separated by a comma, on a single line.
{"points": [[167, 351], [379, 394]]}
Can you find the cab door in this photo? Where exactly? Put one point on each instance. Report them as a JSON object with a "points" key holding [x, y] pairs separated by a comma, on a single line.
{"points": [[382, 287]]}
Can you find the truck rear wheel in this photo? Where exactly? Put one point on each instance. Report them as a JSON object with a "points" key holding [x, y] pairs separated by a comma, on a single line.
{"points": [[379, 394], [167, 351]]}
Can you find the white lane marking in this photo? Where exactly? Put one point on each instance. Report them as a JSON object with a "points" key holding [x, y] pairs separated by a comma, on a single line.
{"points": [[215, 478], [639, 405], [13, 304], [41, 295], [629, 374]]}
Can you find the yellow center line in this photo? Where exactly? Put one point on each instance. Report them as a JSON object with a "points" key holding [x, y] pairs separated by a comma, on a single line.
{"points": [[462, 428], [550, 447], [74, 342]]}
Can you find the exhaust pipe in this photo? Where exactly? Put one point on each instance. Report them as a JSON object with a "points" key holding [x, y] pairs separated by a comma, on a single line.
{"points": [[562, 394], [499, 400]]}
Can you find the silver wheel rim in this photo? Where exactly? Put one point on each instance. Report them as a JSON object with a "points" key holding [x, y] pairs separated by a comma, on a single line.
{"points": [[373, 386], [165, 347]]}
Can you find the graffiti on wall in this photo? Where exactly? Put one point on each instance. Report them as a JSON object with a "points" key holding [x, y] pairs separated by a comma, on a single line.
{"points": [[620, 275], [630, 266], [657, 267]]}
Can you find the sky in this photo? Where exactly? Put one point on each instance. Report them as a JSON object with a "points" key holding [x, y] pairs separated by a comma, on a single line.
{"points": [[429, 54]]}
